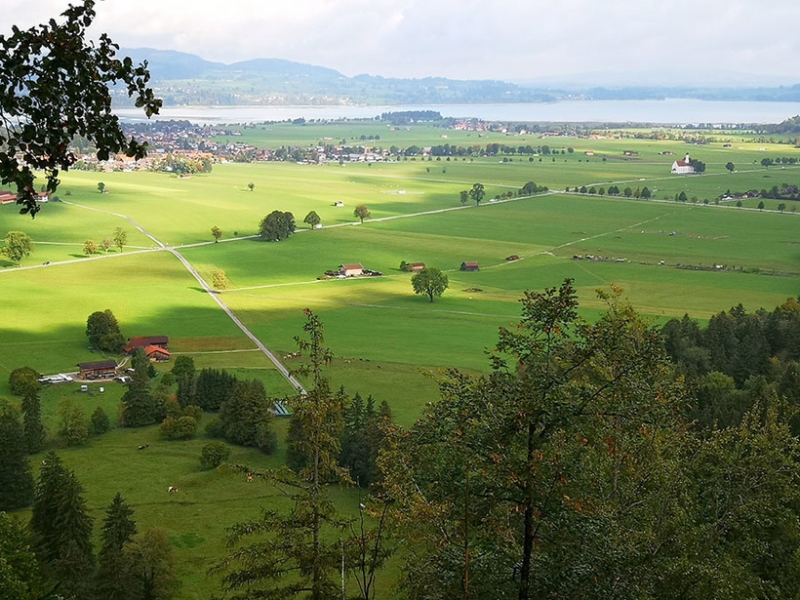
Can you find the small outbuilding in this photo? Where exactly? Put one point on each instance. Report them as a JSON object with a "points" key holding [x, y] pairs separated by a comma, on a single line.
{"points": [[101, 369], [470, 265], [351, 270], [416, 267], [157, 354], [512, 257]]}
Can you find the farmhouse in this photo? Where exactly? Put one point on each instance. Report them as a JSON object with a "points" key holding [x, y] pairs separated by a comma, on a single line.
{"points": [[101, 369], [416, 267], [682, 167], [7, 197], [470, 266], [157, 354], [351, 270], [160, 341]]}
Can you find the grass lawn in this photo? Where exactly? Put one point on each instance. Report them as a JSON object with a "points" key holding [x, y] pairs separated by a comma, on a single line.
{"points": [[670, 258]]}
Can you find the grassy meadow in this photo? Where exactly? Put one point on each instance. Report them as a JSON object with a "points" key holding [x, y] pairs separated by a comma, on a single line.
{"points": [[388, 342]]}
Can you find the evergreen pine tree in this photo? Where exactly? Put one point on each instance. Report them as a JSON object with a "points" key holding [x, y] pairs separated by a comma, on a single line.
{"points": [[139, 405], [113, 573], [35, 433], [16, 481], [62, 528]]}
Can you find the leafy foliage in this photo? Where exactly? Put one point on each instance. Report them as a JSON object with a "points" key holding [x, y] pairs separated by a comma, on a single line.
{"points": [[214, 454], [113, 577], [17, 244], [54, 86], [103, 331], [276, 226], [430, 281], [24, 381]]}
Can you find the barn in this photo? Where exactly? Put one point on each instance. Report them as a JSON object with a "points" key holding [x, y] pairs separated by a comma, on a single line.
{"points": [[101, 369], [157, 354], [416, 267], [470, 265], [160, 341], [351, 270]]}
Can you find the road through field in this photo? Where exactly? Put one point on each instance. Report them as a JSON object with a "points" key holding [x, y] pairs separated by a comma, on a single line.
{"points": [[274, 359]]}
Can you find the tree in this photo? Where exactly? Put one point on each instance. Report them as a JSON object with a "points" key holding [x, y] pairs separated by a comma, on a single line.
{"points": [[251, 186], [139, 407], [17, 246], [151, 562], [16, 481], [760, 205], [74, 427], [103, 331], [99, 421], [20, 574], [782, 206], [277, 226], [682, 197], [183, 367], [220, 280], [24, 381], [429, 281], [730, 166], [766, 162], [101, 187], [362, 212], [464, 196], [627, 192], [214, 454], [120, 238], [113, 577], [312, 219], [89, 248], [32, 425], [245, 416], [296, 553], [646, 193], [477, 193], [216, 232], [530, 188], [538, 480], [62, 528], [54, 87], [106, 244]]}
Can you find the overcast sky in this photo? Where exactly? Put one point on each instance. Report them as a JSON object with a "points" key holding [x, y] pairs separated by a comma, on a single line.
{"points": [[460, 39]]}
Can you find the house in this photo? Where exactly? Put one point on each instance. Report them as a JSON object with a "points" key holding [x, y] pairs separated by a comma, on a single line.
{"points": [[101, 369], [7, 197], [157, 354], [162, 341], [351, 270], [416, 267], [682, 167], [470, 266]]}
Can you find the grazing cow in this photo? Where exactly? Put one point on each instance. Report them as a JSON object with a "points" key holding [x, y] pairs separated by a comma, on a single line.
{"points": [[249, 477], [172, 488]]}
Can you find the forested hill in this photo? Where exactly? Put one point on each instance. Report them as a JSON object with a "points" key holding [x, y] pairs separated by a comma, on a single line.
{"points": [[181, 78]]}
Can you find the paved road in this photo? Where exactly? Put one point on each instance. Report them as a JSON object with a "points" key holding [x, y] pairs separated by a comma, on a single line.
{"points": [[278, 365]]}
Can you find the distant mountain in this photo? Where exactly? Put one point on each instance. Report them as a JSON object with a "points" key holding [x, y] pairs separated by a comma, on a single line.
{"points": [[186, 79]]}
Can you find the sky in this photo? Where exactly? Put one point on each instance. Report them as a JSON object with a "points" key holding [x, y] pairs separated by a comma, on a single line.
{"points": [[510, 40]]}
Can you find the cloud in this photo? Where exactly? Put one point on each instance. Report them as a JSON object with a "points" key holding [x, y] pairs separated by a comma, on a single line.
{"points": [[464, 39]]}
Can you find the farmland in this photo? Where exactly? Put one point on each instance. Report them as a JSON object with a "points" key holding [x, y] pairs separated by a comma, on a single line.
{"points": [[670, 258]]}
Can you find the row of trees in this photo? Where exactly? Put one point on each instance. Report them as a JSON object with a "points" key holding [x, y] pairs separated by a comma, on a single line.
{"points": [[119, 239]]}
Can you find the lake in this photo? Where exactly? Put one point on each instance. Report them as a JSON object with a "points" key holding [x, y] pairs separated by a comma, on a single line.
{"points": [[671, 111]]}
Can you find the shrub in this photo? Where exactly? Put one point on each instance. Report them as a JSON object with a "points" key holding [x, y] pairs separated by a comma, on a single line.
{"points": [[266, 439], [24, 381], [214, 454], [214, 428], [100, 422], [182, 428], [193, 411]]}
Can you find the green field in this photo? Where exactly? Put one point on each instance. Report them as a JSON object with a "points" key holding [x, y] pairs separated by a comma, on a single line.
{"points": [[670, 258]]}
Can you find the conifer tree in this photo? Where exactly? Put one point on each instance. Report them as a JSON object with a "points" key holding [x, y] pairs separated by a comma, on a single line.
{"points": [[113, 573], [16, 481], [300, 554], [35, 433], [139, 405], [62, 528]]}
